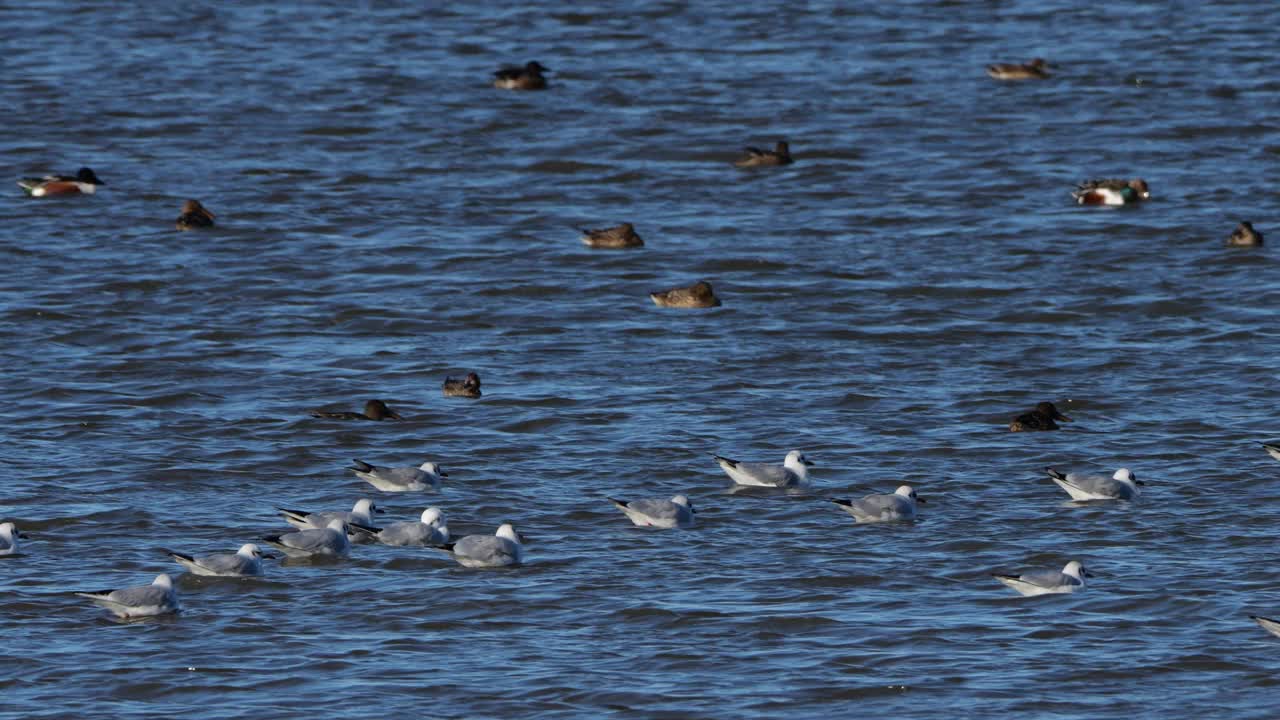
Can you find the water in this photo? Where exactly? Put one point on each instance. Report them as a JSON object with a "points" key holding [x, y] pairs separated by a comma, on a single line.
{"points": [[916, 279]]}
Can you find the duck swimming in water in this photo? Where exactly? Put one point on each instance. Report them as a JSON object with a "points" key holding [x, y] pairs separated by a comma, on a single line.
{"points": [[1041, 417]]}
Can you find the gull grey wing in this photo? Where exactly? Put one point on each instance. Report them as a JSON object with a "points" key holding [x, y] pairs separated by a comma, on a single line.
{"points": [[661, 509], [488, 548], [1097, 485], [410, 533], [1048, 578], [769, 474]]}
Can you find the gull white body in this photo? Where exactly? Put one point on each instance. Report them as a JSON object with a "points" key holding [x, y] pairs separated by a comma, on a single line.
{"points": [[9, 538], [246, 562], [157, 598], [502, 549], [793, 472], [901, 505], [1123, 485], [429, 531], [659, 513], [361, 513], [1272, 450], [1048, 582], [426, 476], [1271, 626], [330, 540]]}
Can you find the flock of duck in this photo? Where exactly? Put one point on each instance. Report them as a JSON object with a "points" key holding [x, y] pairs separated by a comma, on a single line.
{"points": [[332, 533]]}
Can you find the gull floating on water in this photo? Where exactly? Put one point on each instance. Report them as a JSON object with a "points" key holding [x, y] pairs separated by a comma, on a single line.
{"points": [[429, 531], [1271, 626], [659, 513], [901, 505], [793, 471], [426, 476], [361, 513], [9, 536], [1273, 449], [246, 562], [1123, 485], [502, 549], [330, 540], [1047, 582], [157, 598]]}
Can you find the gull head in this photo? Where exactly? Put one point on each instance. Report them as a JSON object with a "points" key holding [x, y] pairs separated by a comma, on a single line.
{"points": [[1076, 570], [797, 463], [249, 550], [432, 515], [365, 506], [432, 469], [907, 491], [163, 581], [1126, 475], [508, 531], [683, 500], [337, 524]]}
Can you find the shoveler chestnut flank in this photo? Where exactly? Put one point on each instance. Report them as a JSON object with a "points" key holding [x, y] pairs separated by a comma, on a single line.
{"points": [[528, 77], [622, 236], [1112, 192], [779, 155], [1245, 235], [194, 215], [1034, 70], [1041, 417], [83, 182]]}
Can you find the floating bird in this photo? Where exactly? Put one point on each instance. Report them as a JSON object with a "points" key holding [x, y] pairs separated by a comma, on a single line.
{"points": [[1245, 236], [361, 513], [194, 216], [1123, 485], [502, 549], [1111, 192], [1271, 626], [1041, 417], [373, 410], [622, 236], [330, 540], [1048, 582], [247, 562], [779, 155], [429, 531], [528, 77], [697, 295], [1273, 449], [426, 476], [466, 387], [1033, 70], [157, 598], [901, 505], [82, 182], [793, 471], [659, 513], [9, 537]]}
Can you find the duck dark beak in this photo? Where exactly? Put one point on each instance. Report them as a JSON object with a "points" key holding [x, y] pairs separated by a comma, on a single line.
{"points": [[1062, 417], [394, 415]]}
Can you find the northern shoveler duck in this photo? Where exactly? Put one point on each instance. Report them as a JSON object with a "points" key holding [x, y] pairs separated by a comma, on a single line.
{"points": [[373, 410], [466, 387], [82, 182], [697, 295], [528, 77], [1033, 70], [1245, 235], [622, 236], [194, 215], [779, 155], [1041, 417], [1112, 192]]}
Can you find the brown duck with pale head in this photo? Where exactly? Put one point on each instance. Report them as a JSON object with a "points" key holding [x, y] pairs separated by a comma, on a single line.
{"points": [[194, 216], [697, 295], [373, 410], [1041, 417], [1245, 236], [466, 387], [622, 236], [779, 155]]}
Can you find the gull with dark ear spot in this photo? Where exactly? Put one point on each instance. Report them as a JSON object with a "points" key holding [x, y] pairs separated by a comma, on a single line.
{"points": [[677, 512], [427, 476], [1048, 582], [157, 598], [362, 512], [430, 530], [9, 536], [330, 541], [502, 549], [373, 410], [793, 472], [901, 505], [247, 562], [1123, 485]]}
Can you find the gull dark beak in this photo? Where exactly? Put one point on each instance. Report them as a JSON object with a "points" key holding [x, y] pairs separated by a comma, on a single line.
{"points": [[380, 511], [267, 556], [444, 474], [920, 499], [24, 536], [1136, 481], [807, 461], [1086, 573]]}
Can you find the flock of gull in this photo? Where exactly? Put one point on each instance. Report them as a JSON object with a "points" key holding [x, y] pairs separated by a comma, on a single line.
{"points": [[332, 533]]}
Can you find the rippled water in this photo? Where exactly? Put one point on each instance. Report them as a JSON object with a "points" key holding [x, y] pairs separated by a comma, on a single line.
{"points": [[918, 277]]}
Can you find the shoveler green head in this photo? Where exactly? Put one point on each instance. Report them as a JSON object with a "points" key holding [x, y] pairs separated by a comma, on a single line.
{"points": [[84, 181], [1112, 192]]}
